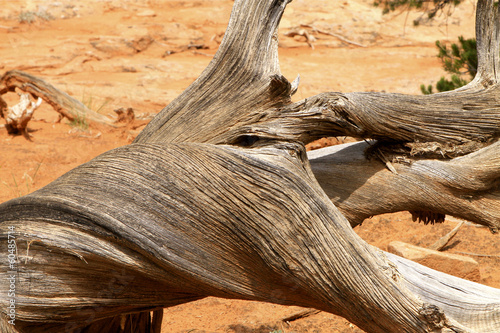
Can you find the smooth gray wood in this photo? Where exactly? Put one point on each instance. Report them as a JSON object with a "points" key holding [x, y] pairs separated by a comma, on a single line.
{"points": [[465, 187]]}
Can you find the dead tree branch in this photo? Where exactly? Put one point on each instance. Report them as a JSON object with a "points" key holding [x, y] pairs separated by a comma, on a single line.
{"points": [[295, 248], [240, 85], [63, 103], [216, 197]]}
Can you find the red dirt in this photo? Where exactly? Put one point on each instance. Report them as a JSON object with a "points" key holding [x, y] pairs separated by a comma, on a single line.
{"points": [[143, 53]]}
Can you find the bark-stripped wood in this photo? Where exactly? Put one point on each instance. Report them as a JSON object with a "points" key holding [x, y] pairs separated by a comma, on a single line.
{"points": [[18, 116], [199, 220], [217, 197], [240, 85], [222, 107], [465, 187], [63, 103]]}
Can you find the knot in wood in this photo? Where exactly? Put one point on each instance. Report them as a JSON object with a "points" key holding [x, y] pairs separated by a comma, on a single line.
{"points": [[436, 319], [433, 315], [336, 102]]}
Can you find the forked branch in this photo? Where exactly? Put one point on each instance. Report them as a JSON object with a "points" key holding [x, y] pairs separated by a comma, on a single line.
{"points": [[241, 83], [469, 114], [174, 217], [259, 103]]}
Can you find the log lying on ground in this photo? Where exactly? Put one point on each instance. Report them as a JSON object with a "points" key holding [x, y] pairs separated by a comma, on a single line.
{"points": [[411, 128], [247, 220], [203, 220], [465, 187], [63, 103], [451, 124]]}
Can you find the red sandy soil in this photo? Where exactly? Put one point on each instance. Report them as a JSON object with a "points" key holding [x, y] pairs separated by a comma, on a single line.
{"points": [[143, 53]]}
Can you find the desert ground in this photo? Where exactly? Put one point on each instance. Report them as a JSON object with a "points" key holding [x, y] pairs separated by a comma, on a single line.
{"points": [[141, 54]]}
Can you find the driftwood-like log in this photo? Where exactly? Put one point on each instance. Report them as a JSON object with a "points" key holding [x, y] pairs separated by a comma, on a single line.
{"points": [[443, 125], [465, 187], [203, 220], [200, 220], [259, 103], [63, 103], [216, 197]]}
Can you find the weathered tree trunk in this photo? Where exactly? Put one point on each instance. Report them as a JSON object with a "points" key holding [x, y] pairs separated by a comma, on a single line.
{"points": [[254, 106], [200, 220], [216, 197]]}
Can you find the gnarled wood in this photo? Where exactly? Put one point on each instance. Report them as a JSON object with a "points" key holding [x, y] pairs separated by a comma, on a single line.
{"points": [[448, 124], [239, 86], [63, 103], [200, 220], [259, 103], [455, 117], [471, 113], [465, 187], [172, 223]]}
